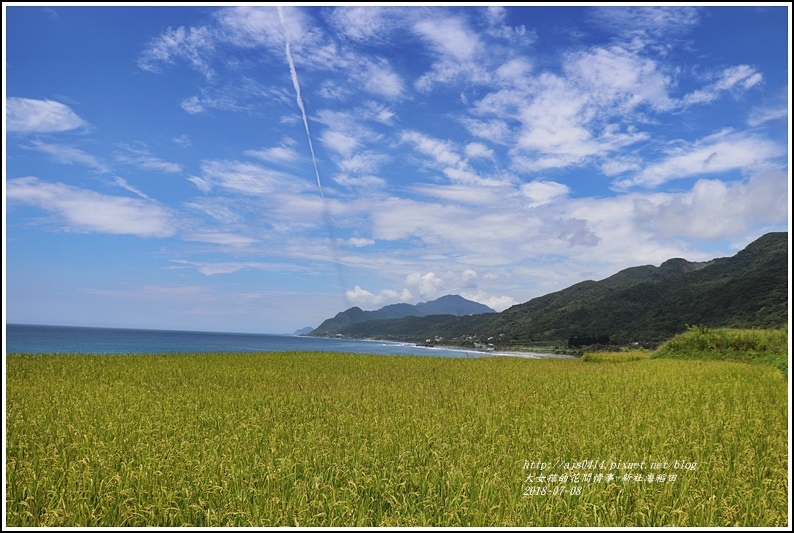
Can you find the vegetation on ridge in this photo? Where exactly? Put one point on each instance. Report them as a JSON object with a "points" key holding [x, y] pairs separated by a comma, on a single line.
{"points": [[645, 303]]}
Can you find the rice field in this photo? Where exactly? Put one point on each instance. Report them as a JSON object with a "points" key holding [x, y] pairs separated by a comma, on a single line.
{"points": [[330, 439]]}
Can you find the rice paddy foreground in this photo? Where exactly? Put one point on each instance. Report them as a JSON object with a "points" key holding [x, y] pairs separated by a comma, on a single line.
{"points": [[330, 439]]}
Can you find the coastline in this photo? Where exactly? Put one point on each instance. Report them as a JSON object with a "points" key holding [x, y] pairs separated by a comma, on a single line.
{"points": [[500, 353]]}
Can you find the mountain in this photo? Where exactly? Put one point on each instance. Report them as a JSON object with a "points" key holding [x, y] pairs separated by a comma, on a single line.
{"points": [[452, 304], [303, 331], [643, 303]]}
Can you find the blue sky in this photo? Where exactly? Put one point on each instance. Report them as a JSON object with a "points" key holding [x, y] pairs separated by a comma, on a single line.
{"points": [[259, 169]]}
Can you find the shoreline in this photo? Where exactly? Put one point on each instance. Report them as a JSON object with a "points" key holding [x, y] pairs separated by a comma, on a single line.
{"points": [[500, 353], [474, 352]]}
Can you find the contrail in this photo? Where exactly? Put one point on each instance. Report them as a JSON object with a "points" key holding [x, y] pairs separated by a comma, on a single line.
{"points": [[326, 214], [297, 86]]}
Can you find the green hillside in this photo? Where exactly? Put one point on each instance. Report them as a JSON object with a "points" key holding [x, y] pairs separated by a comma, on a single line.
{"points": [[643, 304]]}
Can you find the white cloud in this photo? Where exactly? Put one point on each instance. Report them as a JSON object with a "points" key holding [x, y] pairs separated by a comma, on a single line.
{"points": [[496, 131], [715, 209], [514, 72], [141, 158], [69, 155], [192, 105], [340, 142], [427, 286], [518, 35], [276, 154], [219, 237], [193, 45], [40, 116], [359, 181], [121, 182], [473, 194], [219, 209], [87, 211], [617, 79], [458, 49], [344, 131], [359, 242], [478, 150], [721, 152], [182, 140], [647, 23], [450, 37], [763, 115], [732, 78], [244, 178], [443, 152], [544, 192], [566, 121], [230, 267], [619, 165], [366, 162], [160, 293], [330, 90], [497, 303], [445, 156], [367, 300], [365, 23], [250, 26], [377, 77], [242, 96], [469, 278]]}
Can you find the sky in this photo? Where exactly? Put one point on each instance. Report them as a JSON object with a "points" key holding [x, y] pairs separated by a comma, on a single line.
{"points": [[259, 169]]}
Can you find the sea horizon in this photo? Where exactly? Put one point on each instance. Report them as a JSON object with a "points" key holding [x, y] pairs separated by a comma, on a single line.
{"points": [[23, 338], [141, 328], [57, 339]]}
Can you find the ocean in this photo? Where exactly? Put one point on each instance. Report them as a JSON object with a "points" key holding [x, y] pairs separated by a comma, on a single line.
{"points": [[23, 338]]}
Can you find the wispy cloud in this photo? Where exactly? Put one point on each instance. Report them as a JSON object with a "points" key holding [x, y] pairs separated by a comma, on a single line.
{"points": [[69, 155], [141, 158], [740, 77], [496, 17], [246, 178], [722, 152], [543, 192], [245, 95], [447, 157], [229, 267], [86, 211], [766, 114], [40, 116], [362, 182], [51, 13], [182, 140], [275, 154], [345, 133], [158, 293], [220, 237], [647, 24], [193, 45], [365, 23], [121, 182], [458, 49]]}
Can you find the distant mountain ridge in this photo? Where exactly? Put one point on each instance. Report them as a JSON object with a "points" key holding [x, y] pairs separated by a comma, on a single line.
{"points": [[451, 304], [643, 303]]}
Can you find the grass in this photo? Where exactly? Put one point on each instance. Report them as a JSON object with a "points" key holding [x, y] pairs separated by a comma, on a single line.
{"points": [[765, 346], [616, 357], [321, 439]]}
